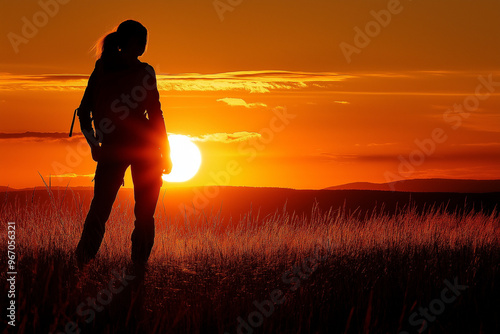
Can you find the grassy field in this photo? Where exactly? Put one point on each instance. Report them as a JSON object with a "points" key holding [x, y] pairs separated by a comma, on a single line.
{"points": [[328, 272]]}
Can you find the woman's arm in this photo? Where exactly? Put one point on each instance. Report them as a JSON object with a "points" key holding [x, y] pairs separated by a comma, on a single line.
{"points": [[155, 116], [86, 107]]}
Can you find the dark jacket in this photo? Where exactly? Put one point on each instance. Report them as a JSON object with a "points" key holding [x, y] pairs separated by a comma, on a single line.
{"points": [[124, 105]]}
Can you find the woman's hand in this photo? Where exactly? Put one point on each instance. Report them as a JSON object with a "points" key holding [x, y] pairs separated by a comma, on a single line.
{"points": [[166, 164], [96, 152], [93, 142]]}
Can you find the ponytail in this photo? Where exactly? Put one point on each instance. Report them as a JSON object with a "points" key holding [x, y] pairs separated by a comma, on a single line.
{"points": [[110, 51], [110, 45]]}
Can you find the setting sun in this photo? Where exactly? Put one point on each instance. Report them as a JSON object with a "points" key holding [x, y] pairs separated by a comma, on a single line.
{"points": [[186, 159]]}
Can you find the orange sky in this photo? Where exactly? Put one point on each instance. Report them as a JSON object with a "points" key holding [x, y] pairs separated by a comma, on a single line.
{"points": [[271, 86]]}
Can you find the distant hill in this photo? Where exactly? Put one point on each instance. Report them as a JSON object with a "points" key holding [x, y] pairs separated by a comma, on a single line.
{"points": [[427, 185]]}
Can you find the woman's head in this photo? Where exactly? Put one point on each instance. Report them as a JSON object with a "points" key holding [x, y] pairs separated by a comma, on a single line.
{"points": [[129, 39]]}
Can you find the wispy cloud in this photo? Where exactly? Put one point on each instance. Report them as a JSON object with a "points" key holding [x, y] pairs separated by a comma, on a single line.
{"points": [[40, 136], [485, 171], [325, 156], [376, 144], [72, 175], [235, 102], [409, 83], [380, 144], [486, 145], [47, 82], [248, 81], [223, 137]]}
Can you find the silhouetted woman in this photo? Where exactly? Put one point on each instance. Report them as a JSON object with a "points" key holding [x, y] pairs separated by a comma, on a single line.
{"points": [[122, 101]]}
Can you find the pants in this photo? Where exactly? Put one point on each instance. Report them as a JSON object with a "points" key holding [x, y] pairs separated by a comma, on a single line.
{"points": [[146, 175]]}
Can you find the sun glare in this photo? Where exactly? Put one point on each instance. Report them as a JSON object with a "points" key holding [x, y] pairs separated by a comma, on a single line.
{"points": [[186, 159]]}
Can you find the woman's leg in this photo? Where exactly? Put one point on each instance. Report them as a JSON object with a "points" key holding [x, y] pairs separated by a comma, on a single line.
{"points": [[147, 183], [108, 179]]}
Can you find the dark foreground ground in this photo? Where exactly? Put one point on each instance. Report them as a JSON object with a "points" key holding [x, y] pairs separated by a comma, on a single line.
{"points": [[434, 286], [382, 291]]}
